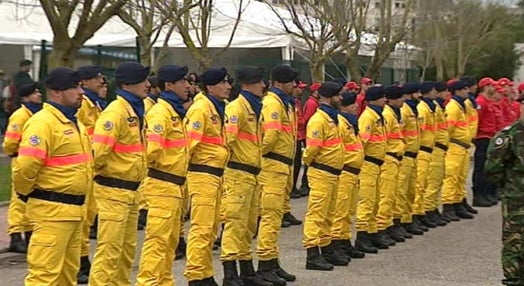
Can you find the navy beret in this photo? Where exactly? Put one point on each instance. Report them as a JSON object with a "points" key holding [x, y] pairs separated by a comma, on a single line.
{"points": [[89, 72], [131, 73], [329, 89], [458, 85], [250, 74], [375, 93], [25, 63], [214, 76], [411, 87], [284, 73], [440, 86], [153, 80], [172, 73], [348, 98], [426, 87], [27, 89], [469, 80], [62, 78], [394, 92], [340, 80]]}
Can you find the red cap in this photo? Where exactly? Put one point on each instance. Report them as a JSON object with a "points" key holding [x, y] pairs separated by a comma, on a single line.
{"points": [[301, 84], [315, 86], [352, 85], [450, 82], [365, 80], [500, 89], [520, 88], [486, 81], [505, 81]]}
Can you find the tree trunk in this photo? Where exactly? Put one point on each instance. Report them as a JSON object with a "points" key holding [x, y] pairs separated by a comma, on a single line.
{"points": [[353, 66], [145, 50], [317, 69], [63, 54]]}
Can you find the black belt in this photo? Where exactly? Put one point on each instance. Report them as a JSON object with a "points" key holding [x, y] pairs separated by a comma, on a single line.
{"points": [[163, 176], [280, 158], [373, 160], [460, 143], [117, 183], [352, 170], [410, 154], [329, 169], [52, 196], [426, 149], [243, 167], [441, 146], [14, 155], [394, 155], [206, 169]]}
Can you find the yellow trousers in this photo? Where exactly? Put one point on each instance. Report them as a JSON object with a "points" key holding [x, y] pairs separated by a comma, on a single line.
{"points": [[115, 250], [273, 188], [465, 172], [89, 218], [321, 208], [240, 203], [407, 177], [388, 187], [289, 189], [434, 181], [454, 179], [346, 206], [205, 191], [53, 256], [368, 198], [16, 220], [423, 160]]}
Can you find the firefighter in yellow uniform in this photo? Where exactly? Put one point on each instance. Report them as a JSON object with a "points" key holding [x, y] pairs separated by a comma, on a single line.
{"points": [[403, 220], [162, 188], [347, 194], [459, 143], [428, 126], [92, 106], [120, 166], [241, 195], [278, 148], [53, 173], [395, 147], [371, 124], [208, 157], [324, 155], [436, 165], [31, 99]]}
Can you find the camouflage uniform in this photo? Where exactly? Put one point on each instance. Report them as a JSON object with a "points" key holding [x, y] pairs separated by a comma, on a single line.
{"points": [[505, 167]]}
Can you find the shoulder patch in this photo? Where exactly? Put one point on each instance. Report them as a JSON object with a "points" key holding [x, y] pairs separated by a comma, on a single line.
{"points": [[274, 115], [15, 126], [196, 125], [315, 134], [108, 125], [158, 128], [233, 119], [500, 142], [34, 140]]}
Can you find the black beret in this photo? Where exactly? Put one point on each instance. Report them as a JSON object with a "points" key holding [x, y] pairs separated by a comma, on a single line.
{"points": [[62, 78], [89, 72], [250, 74], [153, 80], [283, 74], [440, 86], [375, 92], [340, 80], [394, 92], [27, 89], [214, 76], [426, 87], [172, 73], [348, 98], [458, 85], [131, 73], [469, 80], [25, 63], [329, 89], [410, 88]]}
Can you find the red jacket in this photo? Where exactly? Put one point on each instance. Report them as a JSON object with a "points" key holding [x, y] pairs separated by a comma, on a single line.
{"points": [[491, 117], [516, 109], [310, 107], [301, 122], [509, 114], [361, 101]]}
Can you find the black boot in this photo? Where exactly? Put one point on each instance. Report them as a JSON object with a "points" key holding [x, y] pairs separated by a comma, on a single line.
{"points": [[142, 219], [387, 239], [315, 261], [469, 208], [412, 229], [448, 212], [292, 219], [332, 256], [304, 190], [197, 283], [395, 234], [419, 224], [27, 237], [231, 277], [17, 244], [210, 281], [363, 243], [180, 251], [400, 229], [378, 241], [285, 223], [492, 199], [267, 271], [447, 220], [93, 229], [295, 194], [249, 276], [435, 218], [426, 222], [345, 247], [82, 276], [461, 211], [283, 273], [353, 252], [481, 201]]}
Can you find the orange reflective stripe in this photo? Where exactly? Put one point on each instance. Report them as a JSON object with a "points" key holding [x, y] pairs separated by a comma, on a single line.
{"points": [[104, 139], [247, 136], [428, 127], [472, 118], [128, 148], [167, 143], [353, 147], [377, 138], [410, 133], [314, 142], [395, 136], [13, 135], [278, 126], [332, 142], [442, 126], [68, 160], [458, 123], [205, 139], [365, 136], [321, 143], [90, 131], [32, 152], [231, 128]]}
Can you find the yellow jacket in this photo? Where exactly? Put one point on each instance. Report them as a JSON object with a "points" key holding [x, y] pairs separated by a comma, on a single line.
{"points": [[13, 134], [166, 140], [54, 155], [278, 125], [395, 140], [411, 128], [119, 143], [372, 133], [206, 134], [243, 133], [458, 125], [354, 154], [442, 135], [428, 125], [473, 118], [149, 103], [323, 142], [88, 114]]}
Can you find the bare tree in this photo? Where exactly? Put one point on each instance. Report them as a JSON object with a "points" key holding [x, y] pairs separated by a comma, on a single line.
{"points": [[358, 10]]}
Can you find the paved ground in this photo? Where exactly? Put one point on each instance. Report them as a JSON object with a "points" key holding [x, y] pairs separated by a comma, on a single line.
{"points": [[461, 254]]}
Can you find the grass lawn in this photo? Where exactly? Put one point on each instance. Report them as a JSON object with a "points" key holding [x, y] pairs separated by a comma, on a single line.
{"points": [[5, 182]]}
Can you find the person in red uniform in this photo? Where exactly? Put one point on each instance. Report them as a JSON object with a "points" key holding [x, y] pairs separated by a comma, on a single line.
{"points": [[505, 102], [365, 83], [352, 87], [301, 137], [310, 107], [491, 120]]}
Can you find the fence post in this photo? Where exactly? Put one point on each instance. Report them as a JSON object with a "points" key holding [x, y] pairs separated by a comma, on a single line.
{"points": [[42, 72], [138, 52], [99, 55]]}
